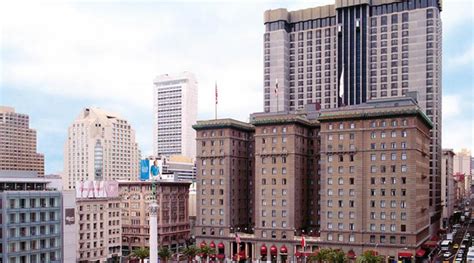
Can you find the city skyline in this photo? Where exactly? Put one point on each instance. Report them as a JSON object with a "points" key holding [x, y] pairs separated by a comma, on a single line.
{"points": [[66, 70]]}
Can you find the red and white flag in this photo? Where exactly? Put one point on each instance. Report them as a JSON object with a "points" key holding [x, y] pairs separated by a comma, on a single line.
{"points": [[303, 242], [216, 94], [237, 238], [276, 86]]}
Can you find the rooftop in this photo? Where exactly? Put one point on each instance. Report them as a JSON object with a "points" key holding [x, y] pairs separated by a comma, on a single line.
{"points": [[223, 123]]}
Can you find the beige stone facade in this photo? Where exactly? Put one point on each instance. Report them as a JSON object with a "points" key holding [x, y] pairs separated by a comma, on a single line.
{"points": [[100, 146], [100, 229], [18, 143], [173, 213]]}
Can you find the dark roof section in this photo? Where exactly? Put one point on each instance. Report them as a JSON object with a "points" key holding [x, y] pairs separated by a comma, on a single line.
{"points": [[222, 124], [258, 119], [392, 107]]}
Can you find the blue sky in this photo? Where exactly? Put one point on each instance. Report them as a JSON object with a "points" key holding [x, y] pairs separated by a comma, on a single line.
{"points": [[58, 57]]}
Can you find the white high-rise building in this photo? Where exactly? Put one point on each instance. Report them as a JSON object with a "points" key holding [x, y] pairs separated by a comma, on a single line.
{"points": [[175, 111], [100, 146]]}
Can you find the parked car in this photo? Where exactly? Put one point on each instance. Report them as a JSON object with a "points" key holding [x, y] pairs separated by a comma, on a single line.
{"points": [[447, 254]]}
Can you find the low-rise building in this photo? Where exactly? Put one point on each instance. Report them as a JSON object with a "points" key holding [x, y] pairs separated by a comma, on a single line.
{"points": [[99, 223], [447, 186], [30, 219], [173, 213]]}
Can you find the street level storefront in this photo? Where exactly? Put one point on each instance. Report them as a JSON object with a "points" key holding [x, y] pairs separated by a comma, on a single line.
{"points": [[249, 249]]}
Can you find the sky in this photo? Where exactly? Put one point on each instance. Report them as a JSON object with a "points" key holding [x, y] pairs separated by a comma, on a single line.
{"points": [[58, 57]]}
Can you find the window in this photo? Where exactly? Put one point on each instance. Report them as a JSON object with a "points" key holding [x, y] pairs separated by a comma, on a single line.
{"points": [[373, 157], [329, 214], [403, 228], [373, 169], [403, 216], [404, 133], [329, 158], [404, 168]]}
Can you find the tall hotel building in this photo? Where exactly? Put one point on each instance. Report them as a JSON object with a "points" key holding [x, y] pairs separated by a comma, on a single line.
{"points": [[175, 111], [355, 51], [353, 178], [100, 146], [18, 143]]}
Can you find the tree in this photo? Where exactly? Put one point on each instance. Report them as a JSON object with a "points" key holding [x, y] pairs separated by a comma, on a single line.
{"points": [[369, 257], [205, 251], [329, 255], [141, 253], [337, 256], [190, 252], [164, 253]]}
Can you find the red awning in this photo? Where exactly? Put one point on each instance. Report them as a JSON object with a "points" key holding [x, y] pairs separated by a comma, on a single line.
{"points": [[431, 243], [283, 250], [405, 254], [273, 250], [221, 256], [221, 245], [203, 244], [420, 252], [263, 250], [305, 254], [212, 245], [351, 254]]}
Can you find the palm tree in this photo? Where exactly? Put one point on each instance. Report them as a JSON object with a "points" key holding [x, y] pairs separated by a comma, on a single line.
{"points": [[141, 253], [190, 252], [164, 253], [369, 257], [337, 256]]}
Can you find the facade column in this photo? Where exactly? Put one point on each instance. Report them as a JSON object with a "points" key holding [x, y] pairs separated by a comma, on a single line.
{"points": [[153, 233]]}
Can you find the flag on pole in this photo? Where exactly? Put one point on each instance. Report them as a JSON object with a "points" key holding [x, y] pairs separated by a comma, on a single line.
{"points": [[216, 94], [303, 242], [237, 238], [341, 83], [276, 86]]}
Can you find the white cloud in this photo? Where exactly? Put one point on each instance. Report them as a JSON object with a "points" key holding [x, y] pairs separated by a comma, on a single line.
{"points": [[456, 13], [458, 123], [451, 106], [462, 59]]}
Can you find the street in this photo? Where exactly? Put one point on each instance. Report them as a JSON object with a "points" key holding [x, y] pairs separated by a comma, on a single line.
{"points": [[460, 231]]}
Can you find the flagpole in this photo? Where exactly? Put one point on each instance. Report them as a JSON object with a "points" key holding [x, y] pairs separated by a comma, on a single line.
{"points": [[215, 103], [276, 93]]}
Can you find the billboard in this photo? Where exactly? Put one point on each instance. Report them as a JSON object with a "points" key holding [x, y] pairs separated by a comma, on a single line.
{"points": [[151, 169], [144, 170], [96, 189], [70, 217]]}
